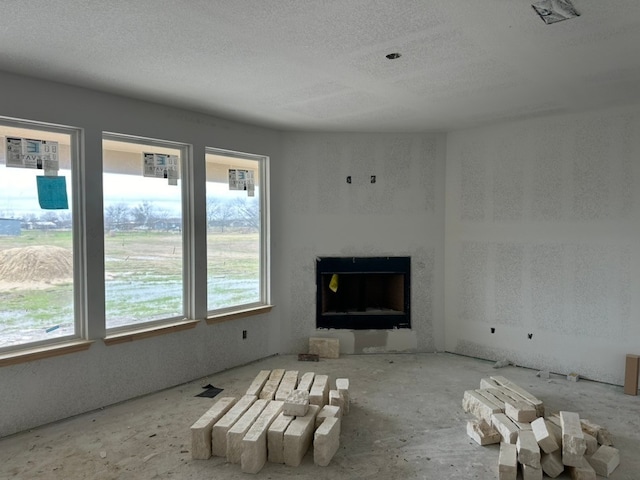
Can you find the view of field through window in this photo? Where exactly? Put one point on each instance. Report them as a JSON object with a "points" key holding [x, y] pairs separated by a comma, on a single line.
{"points": [[143, 252], [36, 249], [143, 239], [234, 226]]}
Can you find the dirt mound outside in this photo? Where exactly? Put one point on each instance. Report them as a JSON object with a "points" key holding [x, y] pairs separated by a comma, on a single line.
{"points": [[42, 263]]}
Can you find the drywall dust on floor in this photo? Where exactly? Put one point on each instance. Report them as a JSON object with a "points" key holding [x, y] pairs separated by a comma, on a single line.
{"points": [[406, 421]]}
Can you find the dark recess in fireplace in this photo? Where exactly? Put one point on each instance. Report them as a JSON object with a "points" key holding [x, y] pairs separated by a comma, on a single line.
{"points": [[370, 292]]}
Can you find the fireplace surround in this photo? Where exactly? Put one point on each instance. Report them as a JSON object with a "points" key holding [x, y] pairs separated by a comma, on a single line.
{"points": [[362, 293]]}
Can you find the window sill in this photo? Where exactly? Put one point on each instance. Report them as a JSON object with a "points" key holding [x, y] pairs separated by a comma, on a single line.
{"points": [[148, 332], [236, 314], [41, 352]]}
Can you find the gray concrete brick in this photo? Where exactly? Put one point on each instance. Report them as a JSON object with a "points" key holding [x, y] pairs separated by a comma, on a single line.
{"points": [[254, 443], [299, 436], [222, 426], [326, 441], [201, 429]]}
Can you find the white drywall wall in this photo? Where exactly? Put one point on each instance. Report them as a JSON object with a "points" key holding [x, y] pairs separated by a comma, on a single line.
{"points": [[543, 238], [402, 214]]}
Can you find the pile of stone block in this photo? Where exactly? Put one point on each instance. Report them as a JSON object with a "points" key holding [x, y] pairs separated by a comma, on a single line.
{"points": [[324, 347], [537, 444], [278, 419]]}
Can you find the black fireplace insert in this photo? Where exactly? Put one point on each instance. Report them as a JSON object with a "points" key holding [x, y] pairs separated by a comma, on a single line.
{"points": [[362, 293]]}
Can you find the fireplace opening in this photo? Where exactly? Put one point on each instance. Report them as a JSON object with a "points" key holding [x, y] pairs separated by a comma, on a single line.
{"points": [[363, 292]]}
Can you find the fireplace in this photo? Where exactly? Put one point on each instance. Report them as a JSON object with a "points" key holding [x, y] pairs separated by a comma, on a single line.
{"points": [[362, 293]]}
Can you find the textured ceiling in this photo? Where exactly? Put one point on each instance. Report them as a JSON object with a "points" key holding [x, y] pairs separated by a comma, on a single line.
{"points": [[320, 65]]}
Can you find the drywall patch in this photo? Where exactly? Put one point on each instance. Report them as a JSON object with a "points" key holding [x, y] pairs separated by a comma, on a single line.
{"points": [[548, 287], [302, 298], [472, 191], [508, 182], [508, 284], [548, 177], [591, 173], [422, 297], [398, 154], [600, 295], [370, 341], [474, 257], [625, 179], [401, 340], [329, 176], [427, 173], [301, 168]]}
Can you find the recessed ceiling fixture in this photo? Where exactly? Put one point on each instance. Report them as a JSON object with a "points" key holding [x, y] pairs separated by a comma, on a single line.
{"points": [[552, 11], [393, 56]]}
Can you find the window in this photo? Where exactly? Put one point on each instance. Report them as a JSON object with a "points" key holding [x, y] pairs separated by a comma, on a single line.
{"points": [[237, 235], [37, 234], [143, 217]]}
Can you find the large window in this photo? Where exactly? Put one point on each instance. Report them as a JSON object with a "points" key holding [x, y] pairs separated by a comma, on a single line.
{"points": [[149, 270], [143, 205], [237, 230], [37, 292]]}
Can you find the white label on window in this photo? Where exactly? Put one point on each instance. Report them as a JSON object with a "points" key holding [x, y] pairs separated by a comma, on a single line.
{"points": [[160, 165], [30, 153], [242, 180]]}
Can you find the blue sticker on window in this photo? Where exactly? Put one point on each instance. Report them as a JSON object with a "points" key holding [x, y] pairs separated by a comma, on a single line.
{"points": [[52, 193]]}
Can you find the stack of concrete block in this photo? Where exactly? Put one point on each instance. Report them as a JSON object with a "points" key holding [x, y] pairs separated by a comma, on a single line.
{"points": [[326, 441], [201, 429], [306, 381], [297, 403], [287, 385], [270, 388], [324, 347], [340, 396], [222, 426], [253, 452], [277, 420], [239, 429], [536, 444], [298, 437], [319, 394]]}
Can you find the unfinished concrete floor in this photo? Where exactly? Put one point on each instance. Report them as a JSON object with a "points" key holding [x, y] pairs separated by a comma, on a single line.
{"points": [[406, 422]]}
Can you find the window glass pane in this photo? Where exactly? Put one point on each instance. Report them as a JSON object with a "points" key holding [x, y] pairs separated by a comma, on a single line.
{"points": [[36, 244], [235, 230], [143, 231]]}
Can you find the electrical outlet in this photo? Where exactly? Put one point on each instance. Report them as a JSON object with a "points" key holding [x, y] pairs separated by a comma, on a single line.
{"points": [[244, 334]]}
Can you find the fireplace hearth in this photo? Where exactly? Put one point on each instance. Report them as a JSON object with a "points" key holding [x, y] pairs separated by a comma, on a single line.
{"points": [[362, 293]]}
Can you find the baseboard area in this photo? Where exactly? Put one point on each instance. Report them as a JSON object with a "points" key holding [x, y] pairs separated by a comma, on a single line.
{"points": [[372, 341]]}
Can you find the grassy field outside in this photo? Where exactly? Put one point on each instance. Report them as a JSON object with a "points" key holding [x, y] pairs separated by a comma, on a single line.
{"points": [[143, 281]]}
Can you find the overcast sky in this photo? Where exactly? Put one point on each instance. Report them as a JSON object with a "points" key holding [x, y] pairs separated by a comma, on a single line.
{"points": [[18, 191]]}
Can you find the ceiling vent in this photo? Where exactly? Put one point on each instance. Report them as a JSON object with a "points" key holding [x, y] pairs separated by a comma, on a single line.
{"points": [[553, 11]]}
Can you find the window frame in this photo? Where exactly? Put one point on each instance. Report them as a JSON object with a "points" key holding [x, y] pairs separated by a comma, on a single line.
{"points": [[115, 334], [264, 302], [78, 235], [192, 306]]}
